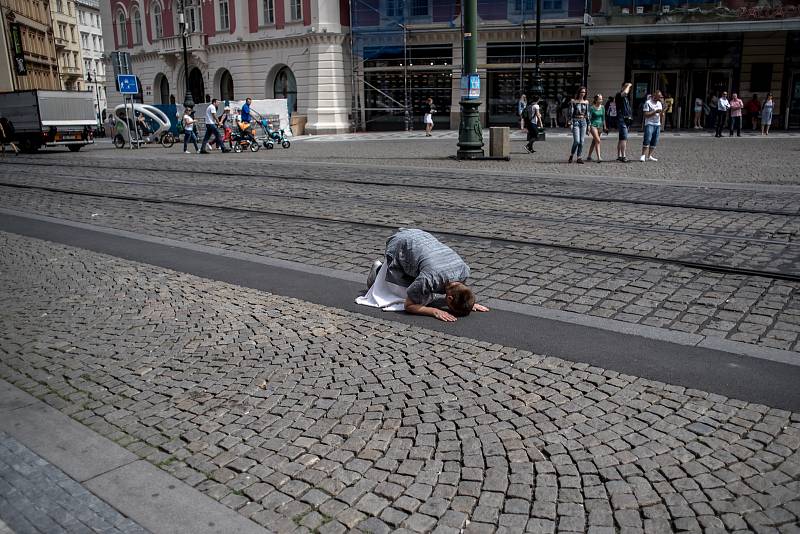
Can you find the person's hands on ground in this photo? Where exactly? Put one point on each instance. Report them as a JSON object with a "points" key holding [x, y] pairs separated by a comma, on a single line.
{"points": [[443, 316], [479, 308]]}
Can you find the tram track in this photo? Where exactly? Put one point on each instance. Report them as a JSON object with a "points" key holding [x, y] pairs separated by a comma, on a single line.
{"points": [[736, 270], [504, 214], [455, 188]]}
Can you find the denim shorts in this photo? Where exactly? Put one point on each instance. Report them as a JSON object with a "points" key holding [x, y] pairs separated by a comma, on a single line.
{"points": [[651, 132], [623, 129]]}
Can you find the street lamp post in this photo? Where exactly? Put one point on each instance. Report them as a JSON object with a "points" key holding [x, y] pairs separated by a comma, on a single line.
{"points": [[470, 133], [187, 98]]}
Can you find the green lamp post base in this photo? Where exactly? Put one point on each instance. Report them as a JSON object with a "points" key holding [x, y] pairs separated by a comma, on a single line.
{"points": [[470, 133]]}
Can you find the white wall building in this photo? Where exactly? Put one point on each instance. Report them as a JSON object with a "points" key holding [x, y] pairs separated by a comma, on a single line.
{"points": [[294, 49], [91, 39]]}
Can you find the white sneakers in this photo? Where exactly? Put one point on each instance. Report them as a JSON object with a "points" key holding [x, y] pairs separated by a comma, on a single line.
{"points": [[651, 158], [645, 158]]}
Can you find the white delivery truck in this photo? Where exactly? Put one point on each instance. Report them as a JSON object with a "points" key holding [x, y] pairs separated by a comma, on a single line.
{"points": [[49, 118]]}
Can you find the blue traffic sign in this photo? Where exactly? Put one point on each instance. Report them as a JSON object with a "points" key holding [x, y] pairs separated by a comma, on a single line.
{"points": [[128, 84]]}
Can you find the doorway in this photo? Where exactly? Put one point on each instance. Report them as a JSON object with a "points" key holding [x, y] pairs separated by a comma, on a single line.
{"points": [[703, 84], [794, 101], [647, 81]]}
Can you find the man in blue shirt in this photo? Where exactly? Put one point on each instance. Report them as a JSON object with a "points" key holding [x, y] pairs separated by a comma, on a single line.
{"points": [[246, 111]]}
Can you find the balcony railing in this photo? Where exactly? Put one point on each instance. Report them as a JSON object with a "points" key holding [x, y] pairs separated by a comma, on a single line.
{"points": [[61, 43], [695, 10], [174, 44]]}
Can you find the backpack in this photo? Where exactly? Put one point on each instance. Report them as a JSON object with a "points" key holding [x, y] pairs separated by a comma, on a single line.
{"points": [[529, 115]]}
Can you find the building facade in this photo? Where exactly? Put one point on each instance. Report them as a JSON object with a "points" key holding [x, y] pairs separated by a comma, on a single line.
{"points": [[67, 40], [408, 51], [696, 48], [29, 58], [90, 29], [293, 49]]}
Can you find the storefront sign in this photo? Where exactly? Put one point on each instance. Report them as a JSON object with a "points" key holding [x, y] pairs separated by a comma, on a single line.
{"points": [[471, 87], [16, 48]]}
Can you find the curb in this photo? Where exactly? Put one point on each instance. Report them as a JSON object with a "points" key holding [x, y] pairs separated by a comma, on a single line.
{"points": [[136, 488]]}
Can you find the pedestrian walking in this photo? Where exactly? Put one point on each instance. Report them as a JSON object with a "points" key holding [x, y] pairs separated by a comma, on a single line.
{"points": [[428, 110], [552, 112], [532, 117], [652, 111], [753, 108], [597, 126], [736, 115], [7, 136], [723, 106], [766, 114], [669, 102], [698, 112], [522, 103], [624, 120], [188, 130], [212, 128], [578, 111], [415, 268]]}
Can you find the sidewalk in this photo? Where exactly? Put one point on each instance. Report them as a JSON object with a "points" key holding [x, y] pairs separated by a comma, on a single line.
{"points": [[57, 475]]}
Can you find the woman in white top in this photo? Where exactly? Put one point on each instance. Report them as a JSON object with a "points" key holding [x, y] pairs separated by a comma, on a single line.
{"points": [[188, 130]]}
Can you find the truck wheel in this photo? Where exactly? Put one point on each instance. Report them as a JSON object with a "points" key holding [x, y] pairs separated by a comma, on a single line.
{"points": [[119, 141], [27, 146], [74, 148]]}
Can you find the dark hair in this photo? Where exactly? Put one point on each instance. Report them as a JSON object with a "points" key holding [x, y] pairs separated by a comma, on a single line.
{"points": [[461, 301], [578, 92], [214, 100]]}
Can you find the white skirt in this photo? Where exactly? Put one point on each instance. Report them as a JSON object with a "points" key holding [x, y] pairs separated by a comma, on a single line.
{"points": [[384, 294], [428, 119]]}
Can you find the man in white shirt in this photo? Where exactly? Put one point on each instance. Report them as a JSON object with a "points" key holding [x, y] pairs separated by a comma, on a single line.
{"points": [[723, 106], [212, 129], [653, 110]]}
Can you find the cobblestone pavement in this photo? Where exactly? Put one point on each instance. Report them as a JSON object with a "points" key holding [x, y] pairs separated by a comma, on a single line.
{"points": [[742, 308], [307, 418], [694, 158], [37, 497], [730, 239]]}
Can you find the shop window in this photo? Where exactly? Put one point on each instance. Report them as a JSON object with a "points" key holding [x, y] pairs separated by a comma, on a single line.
{"points": [[761, 77], [393, 8]]}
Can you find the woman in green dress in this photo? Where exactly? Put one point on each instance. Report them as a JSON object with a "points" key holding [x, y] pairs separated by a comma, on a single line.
{"points": [[597, 125]]}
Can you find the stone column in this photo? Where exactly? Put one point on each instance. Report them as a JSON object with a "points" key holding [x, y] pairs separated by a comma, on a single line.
{"points": [[328, 106]]}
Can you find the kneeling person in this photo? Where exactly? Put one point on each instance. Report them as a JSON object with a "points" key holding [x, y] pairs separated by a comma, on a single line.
{"points": [[424, 267]]}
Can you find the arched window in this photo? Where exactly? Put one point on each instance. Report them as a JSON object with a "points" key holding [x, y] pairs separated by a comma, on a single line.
{"points": [[122, 32], [137, 27], [158, 21]]}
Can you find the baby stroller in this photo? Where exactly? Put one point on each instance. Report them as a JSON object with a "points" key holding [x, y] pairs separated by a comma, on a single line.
{"points": [[272, 137], [244, 137]]}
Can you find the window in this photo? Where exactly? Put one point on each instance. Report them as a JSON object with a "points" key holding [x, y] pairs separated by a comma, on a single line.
{"points": [[552, 5], [158, 23], [223, 19], [393, 8], [420, 8], [296, 9], [269, 11], [137, 27], [193, 15], [59, 6]]}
